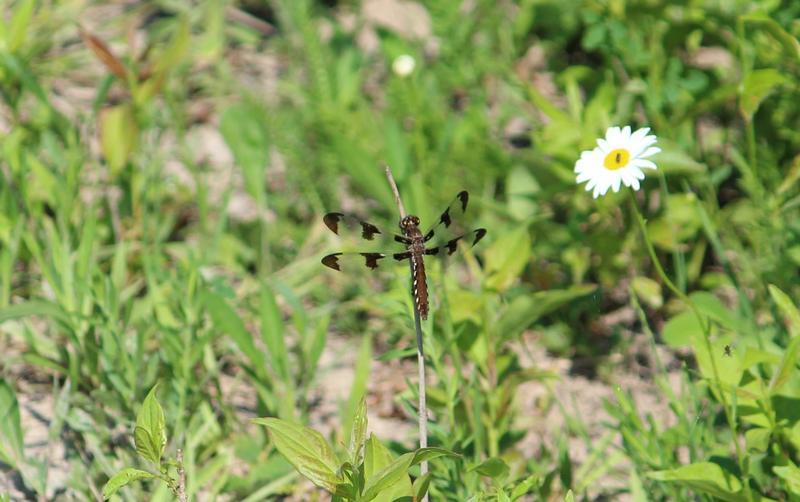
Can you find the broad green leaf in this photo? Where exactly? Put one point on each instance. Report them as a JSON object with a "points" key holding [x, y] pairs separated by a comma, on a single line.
{"points": [[430, 453], [648, 290], [673, 160], [376, 458], [420, 486], [753, 356], [786, 367], [527, 309], [306, 450], [11, 437], [243, 127], [705, 477], [787, 308], [678, 224], [680, 330], [20, 24], [757, 439], [389, 479], [122, 478], [119, 135], [226, 320], [525, 486], [708, 304], [790, 474], [756, 87], [569, 497], [493, 467], [506, 258], [150, 434]]}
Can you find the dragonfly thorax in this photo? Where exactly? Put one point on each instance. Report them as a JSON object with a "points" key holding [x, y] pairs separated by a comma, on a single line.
{"points": [[409, 223]]}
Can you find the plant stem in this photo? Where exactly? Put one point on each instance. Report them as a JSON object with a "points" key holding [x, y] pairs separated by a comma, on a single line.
{"points": [[705, 324], [423, 406]]}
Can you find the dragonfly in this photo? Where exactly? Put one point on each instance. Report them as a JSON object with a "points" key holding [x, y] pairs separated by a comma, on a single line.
{"points": [[415, 241]]}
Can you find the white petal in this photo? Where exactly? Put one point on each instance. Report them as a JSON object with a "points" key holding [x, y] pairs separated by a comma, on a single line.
{"points": [[627, 177], [650, 151], [640, 134], [636, 172], [626, 132], [634, 184], [584, 176], [616, 182], [644, 163], [613, 135], [603, 145], [639, 146]]}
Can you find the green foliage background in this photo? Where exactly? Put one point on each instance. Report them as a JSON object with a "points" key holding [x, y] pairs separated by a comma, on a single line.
{"points": [[126, 258]]}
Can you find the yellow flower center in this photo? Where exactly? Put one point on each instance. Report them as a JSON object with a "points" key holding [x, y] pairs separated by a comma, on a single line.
{"points": [[617, 159]]}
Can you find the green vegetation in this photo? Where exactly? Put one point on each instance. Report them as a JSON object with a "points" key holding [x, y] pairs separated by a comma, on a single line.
{"points": [[164, 167]]}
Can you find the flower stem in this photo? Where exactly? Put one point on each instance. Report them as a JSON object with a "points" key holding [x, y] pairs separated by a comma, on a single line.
{"points": [[705, 325]]}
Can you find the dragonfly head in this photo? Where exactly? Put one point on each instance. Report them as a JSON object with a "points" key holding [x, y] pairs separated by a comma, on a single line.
{"points": [[409, 222]]}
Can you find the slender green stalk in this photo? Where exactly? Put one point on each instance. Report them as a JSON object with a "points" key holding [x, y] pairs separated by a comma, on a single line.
{"points": [[423, 407], [705, 324]]}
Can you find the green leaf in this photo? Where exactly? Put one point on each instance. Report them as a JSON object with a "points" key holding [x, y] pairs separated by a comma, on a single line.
{"points": [[122, 478], [430, 453], [787, 308], [493, 467], [506, 258], [150, 433], [226, 320], [786, 367], [390, 478], [673, 160], [704, 477], [376, 458], [757, 439], [20, 24], [756, 87], [358, 435], [791, 46], [790, 474], [11, 438], [273, 334], [306, 450], [119, 135], [243, 127], [527, 309], [681, 329], [42, 308], [420, 486], [648, 290]]}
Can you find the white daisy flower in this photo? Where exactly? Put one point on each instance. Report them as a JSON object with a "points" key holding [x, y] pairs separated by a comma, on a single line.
{"points": [[618, 159], [403, 65]]}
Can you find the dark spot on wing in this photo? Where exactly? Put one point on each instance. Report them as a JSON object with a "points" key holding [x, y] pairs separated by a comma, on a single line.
{"points": [[368, 230], [332, 221], [479, 233], [332, 261], [402, 256], [463, 196], [371, 259]]}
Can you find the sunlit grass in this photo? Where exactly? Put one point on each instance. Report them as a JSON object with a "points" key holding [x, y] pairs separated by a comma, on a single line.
{"points": [[164, 170]]}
